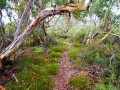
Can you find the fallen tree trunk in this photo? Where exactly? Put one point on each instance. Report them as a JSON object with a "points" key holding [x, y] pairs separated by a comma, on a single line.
{"points": [[69, 7]]}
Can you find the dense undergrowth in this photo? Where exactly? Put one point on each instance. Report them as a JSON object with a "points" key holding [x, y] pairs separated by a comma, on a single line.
{"points": [[99, 63], [37, 70]]}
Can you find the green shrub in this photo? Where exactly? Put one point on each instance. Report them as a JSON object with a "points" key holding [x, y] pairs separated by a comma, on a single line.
{"points": [[54, 60], [73, 53], [52, 39], [96, 54], [100, 60], [76, 44], [42, 71], [55, 54], [31, 41], [28, 61], [79, 36], [29, 80], [78, 63], [63, 36], [38, 49], [52, 68], [82, 82], [59, 48], [105, 87], [35, 73], [44, 83], [86, 68]]}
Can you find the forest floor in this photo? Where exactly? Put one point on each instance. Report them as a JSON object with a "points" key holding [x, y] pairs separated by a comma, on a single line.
{"points": [[67, 70], [62, 77]]}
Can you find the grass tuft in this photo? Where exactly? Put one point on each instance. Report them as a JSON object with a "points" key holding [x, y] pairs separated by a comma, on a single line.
{"points": [[54, 60], [73, 53], [78, 63], [81, 82], [104, 87], [36, 73], [55, 54], [76, 44], [59, 48], [52, 68]]}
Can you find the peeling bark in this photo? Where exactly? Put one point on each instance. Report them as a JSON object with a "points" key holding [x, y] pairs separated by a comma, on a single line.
{"points": [[26, 11]]}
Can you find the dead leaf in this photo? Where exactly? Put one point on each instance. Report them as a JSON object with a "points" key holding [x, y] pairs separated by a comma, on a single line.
{"points": [[2, 88]]}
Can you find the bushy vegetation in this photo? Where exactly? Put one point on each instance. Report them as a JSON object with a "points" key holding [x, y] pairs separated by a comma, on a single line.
{"points": [[104, 87], [35, 73], [105, 55], [55, 54], [99, 60], [59, 48], [80, 82], [78, 63], [73, 53], [37, 70], [76, 44]]}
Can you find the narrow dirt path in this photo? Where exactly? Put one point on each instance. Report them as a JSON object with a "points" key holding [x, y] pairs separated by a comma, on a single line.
{"points": [[67, 70]]}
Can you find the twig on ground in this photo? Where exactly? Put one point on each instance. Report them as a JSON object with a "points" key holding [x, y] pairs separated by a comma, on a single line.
{"points": [[15, 77]]}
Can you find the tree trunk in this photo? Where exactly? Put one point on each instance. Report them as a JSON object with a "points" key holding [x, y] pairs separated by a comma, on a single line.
{"points": [[27, 9]]}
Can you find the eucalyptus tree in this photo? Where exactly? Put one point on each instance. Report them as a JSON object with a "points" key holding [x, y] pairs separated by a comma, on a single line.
{"points": [[2, 30], [69, 7], [51, 8]]}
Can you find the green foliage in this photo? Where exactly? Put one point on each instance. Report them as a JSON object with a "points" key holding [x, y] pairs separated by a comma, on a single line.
{"points": [[78, 63], [100, 60], [2, 4], [63, 36], [35, 73], [52, 40], [80, 15], [38, 49], [73, 53], [76, 44], [80, 33], [97, 53], [98, 8], [104, 87], [55, 54], [54, 60], [86, 68], [59, 48], [79, 36], [28, 80], [82, 82], [37, 70], [31, 41], [52, 68]]}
